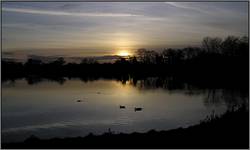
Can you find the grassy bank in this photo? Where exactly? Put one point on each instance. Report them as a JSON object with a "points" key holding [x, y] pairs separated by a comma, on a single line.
{"points": [[230, 130]]}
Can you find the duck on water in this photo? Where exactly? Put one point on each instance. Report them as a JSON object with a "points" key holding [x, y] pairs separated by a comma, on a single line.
{"points": [[138, 109]]}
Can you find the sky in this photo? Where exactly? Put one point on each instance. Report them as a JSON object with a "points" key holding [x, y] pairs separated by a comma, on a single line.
{"points": [[111, 28]]}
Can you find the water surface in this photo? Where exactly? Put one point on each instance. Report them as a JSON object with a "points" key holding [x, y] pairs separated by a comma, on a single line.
{"points": [[50, 109]]}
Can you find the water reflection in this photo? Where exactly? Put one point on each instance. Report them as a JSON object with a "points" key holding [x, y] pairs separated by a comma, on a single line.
{"points": [[230, 97], [49, 107], [212, 96]]}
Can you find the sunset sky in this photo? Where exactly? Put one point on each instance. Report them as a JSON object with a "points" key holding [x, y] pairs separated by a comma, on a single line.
{"points": [[109, 28]]}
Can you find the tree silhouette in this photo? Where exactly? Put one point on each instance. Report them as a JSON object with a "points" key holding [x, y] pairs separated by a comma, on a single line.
{"points": [[59, 62], [224, 59], [212, 45], [230, 46]]}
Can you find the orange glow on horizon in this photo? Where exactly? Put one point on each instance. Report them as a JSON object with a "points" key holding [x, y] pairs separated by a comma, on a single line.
{"points": [[123, 53]]}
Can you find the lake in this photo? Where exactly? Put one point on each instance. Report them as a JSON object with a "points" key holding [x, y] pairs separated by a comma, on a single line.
{"points": [[50, 109]]}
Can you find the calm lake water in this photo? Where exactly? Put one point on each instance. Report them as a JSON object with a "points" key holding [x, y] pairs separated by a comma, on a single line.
{"points": [[50, 109]]}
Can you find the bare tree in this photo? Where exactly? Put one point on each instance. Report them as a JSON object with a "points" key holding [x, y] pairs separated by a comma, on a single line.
{"points": [[212, 45]]}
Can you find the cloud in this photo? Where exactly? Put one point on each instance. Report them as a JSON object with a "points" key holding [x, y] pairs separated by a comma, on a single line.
{"points": [[69, 6], [98, 26], [185, 5], [63, 13], [83, 14]]}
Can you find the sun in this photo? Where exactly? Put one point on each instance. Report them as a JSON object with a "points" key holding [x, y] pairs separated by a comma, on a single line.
{"points": [[123, 53]]}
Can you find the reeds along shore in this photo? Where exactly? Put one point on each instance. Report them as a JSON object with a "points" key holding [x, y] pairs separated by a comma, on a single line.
{"points": [[230, 130]]}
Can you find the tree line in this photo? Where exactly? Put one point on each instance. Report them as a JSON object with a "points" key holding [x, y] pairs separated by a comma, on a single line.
{"points": [[230, 47], [215, 57]]}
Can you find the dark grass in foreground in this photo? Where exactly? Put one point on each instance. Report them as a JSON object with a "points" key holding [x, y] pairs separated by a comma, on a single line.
{"points": [[230, 130]]}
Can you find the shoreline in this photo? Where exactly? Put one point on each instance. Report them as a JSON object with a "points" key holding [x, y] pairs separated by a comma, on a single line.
{"points": [[226, 131]]}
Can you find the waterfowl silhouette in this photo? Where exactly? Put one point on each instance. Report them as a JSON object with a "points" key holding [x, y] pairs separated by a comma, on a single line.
{"points": [[122, 107], [138, 109]]}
